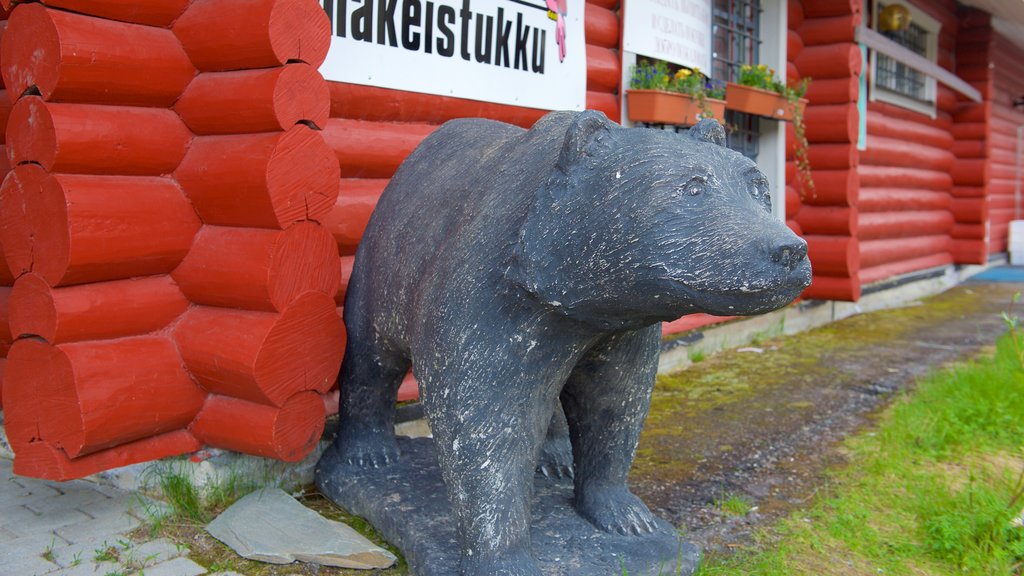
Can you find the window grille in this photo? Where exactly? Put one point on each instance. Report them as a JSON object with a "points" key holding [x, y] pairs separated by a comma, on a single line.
{"points": [[899, 77], [735, 31]]}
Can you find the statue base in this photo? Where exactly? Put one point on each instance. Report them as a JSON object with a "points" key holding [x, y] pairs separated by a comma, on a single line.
{"points": [[408, 504]]}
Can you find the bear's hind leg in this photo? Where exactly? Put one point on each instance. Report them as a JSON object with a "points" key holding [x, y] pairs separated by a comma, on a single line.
{"points": [[369, 380], [606, 401]]}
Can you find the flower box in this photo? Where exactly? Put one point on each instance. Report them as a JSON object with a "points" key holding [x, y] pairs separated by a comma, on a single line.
{"points": [[661, 107], [760, 102]]}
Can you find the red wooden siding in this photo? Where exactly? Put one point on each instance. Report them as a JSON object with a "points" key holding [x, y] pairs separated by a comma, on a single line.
{"points": [[161, 221], [1008, 85], [6, 278], [827, 215]]}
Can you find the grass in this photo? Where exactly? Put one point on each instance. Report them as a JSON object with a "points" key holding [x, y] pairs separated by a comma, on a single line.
{"points": [[734, 505], [931, 490]]}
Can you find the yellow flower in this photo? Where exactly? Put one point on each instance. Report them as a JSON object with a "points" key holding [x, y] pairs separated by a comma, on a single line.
{"points": [[762, 67], [745, 68], [682, 73]]}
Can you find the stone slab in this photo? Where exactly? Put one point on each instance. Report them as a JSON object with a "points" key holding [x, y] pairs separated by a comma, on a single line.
{"points": [[270, 526], [408, 504]]}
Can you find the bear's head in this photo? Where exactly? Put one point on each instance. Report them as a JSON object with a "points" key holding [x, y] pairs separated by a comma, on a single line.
{"points": [[635, 226]]}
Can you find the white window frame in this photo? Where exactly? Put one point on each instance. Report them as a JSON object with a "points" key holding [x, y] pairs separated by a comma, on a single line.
{"points": [[879, 93]]}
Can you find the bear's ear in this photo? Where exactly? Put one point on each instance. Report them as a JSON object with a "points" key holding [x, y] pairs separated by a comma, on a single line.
{"points": [[708, 130], [586, 128]]}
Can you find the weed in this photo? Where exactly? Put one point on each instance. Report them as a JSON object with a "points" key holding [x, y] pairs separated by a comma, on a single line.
{"points": [[76, 559], [734, 505], [48, 552], [697, 355], [106, 553]]}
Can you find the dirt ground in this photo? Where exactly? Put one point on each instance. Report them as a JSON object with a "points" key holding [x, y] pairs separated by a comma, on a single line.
{"points": [[761, 426]]}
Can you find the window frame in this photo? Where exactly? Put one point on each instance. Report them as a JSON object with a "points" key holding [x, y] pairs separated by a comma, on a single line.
{"points": [[880, 93]]}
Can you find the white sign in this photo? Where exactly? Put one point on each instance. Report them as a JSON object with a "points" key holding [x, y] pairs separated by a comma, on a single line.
{"points": [[516, 52], [677, 31]]}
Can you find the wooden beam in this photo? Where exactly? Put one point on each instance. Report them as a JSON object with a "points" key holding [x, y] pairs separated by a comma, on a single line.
{"points": [[883, 45]]}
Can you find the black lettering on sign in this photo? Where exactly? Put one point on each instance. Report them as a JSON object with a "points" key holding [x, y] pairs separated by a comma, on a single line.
{"points": [[434, 27]]}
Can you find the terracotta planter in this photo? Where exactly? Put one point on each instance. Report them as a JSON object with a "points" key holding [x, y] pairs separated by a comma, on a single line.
{"points": [[760, 102], [660, 107]]}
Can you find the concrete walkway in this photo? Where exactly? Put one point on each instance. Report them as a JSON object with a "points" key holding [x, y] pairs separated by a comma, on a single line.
{"points": [[79, 528]]}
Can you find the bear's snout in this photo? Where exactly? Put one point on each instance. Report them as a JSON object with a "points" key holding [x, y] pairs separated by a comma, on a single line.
{"points": [[790, 254]]}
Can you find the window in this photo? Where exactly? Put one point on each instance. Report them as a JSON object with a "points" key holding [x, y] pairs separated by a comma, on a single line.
{"points": [[735, 32], [895, 82]]}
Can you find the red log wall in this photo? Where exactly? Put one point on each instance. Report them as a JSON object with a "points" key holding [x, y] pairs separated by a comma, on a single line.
{"points": [[170, 276], [1007, 86]]}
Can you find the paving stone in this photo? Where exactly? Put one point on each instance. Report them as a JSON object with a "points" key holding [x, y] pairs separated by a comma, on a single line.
{"points": [[6, 535], [177, 567], [27, 548], [76, 498], [270, 526], [12, 492], [108, 507], [22, 521], [113, 526], [88, 568], [228, 573], [13, 562], [84, 550], [153, 552]]}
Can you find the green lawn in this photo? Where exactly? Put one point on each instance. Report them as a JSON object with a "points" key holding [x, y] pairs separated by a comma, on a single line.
{"points": [[930, 490]]}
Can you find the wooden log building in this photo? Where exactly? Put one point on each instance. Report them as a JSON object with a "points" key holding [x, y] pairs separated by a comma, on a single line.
{"points": [[183, 191]]}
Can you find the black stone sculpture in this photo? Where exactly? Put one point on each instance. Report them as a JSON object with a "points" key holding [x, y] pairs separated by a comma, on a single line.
{"points": [[518, 268]]}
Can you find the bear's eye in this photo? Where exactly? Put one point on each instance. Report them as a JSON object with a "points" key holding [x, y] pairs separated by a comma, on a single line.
{"points": [[694, 186]]}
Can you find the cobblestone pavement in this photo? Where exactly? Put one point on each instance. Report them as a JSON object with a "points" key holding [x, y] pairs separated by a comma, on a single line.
{"points": [[78, 528]]}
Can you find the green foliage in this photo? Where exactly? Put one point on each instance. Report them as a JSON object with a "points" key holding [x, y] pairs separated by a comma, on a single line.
{"points": [[650, 75], [932, 490], [656, 75], [734, 505]]}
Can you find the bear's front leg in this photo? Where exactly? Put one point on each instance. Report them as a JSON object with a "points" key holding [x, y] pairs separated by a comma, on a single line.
{"points": [[488, 431], [606, 401]]}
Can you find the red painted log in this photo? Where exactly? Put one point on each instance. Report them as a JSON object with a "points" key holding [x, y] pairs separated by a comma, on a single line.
{"points": [[795, 14], [267, 33], [601, 26], [91, 139], [264, 357], [969, 131], [265, 100], [6, 337], [971, 149], [877, 252], [605, 102], [794, 44], [833, 288], [899, 199], [374, 104], [409, 389], [372, 149], [348, 219], [831, 8], [833, 156], [886, 271], [5, 111], [267, 180], [70, 57], [80, 229], [259, 269], [116, 391], [793, 204], [884, 151], [880, 124], [969, 231], [287, 433], [969, 251], [833, 188], [609, 4], [831, 123], [30, 363], [3, 368], [971, 171], [44, 460], [833, 90], [833, 255], [878, 225], [795, 227], [347, 262], [828, 220], [604, 69], [890, 177], [974, 210], [150, 12], [95, 311], [839, 60], [830, 30]]}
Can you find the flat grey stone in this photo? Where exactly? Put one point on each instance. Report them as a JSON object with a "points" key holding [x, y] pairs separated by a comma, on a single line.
{"points": [[407, 503], [270, 526], [176, 567]]}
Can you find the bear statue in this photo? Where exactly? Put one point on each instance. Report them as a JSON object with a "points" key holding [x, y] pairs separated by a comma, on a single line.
{"points": [[514, 269]]}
